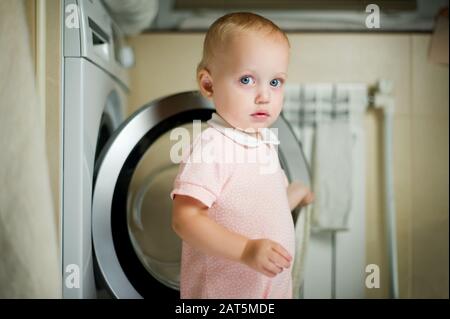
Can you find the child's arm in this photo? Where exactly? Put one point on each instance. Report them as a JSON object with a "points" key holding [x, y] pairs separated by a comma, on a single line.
{"points": [[191, 222], [298, 194]]}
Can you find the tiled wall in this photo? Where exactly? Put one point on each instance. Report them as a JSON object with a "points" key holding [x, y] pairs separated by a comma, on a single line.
{"points": [[166, 64], [429, 154]]}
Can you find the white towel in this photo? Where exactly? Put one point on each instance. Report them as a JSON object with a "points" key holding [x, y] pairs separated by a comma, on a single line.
{"points": [[320, 114], [133, 16], [302, 233], [29, 265], [332, 171]]}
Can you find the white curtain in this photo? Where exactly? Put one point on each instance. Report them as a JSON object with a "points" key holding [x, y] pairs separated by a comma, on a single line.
{"points": [[28, 242]]}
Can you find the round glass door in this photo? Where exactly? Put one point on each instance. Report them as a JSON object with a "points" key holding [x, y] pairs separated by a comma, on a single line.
{"points": [[136, 250], [149, 210]]}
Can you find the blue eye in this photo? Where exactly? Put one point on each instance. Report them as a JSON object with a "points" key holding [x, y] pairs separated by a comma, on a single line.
{"points": [[275, 83], [246, 79]]}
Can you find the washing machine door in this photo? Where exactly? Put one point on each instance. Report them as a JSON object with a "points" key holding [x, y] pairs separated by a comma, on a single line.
{"points": [[137, 253]]}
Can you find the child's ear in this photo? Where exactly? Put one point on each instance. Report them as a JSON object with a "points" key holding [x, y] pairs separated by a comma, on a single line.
{"points": [[205, 83]]}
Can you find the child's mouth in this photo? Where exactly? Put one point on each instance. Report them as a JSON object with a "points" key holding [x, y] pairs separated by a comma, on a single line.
{"points": [[260, 115]]}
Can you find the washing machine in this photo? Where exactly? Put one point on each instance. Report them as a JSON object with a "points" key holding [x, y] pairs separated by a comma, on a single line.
{"points": [[117, 173], [95, 89]]}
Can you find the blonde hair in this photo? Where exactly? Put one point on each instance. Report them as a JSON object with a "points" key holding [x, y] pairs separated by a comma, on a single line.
{"points": [[230, 24]]}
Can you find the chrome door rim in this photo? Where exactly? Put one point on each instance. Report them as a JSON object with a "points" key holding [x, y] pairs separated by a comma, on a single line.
{"points": [[112, 160]]}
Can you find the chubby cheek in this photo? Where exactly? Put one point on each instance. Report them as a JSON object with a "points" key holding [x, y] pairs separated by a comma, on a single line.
{"points": [[277, 102], [241, 95], [233, 98]]}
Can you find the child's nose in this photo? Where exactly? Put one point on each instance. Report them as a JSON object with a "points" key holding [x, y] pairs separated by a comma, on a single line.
{"points": [[262, 96]]}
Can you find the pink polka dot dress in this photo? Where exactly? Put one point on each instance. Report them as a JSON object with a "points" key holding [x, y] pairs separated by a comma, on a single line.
{"points": [[239, 178]]}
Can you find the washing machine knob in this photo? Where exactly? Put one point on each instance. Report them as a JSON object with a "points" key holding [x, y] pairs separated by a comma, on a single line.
{"points": [[127, 57]]}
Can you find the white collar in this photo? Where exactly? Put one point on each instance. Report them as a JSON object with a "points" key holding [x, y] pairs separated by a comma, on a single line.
{"points": [[240, 136]]}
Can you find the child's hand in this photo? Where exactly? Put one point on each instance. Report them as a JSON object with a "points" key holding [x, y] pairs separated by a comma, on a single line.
{"points": [[299, 195], [308, 198], [266, 256]]}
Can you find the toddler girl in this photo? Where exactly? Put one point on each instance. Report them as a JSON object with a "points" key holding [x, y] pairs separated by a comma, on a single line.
{"points": [[234, 217]]}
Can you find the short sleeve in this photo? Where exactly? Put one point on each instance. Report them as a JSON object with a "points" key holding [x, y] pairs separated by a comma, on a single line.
{"points": [[199, 178], [286, 180]]}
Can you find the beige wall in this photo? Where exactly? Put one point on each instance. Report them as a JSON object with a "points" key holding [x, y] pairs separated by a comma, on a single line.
{"points": [[166, 64]]}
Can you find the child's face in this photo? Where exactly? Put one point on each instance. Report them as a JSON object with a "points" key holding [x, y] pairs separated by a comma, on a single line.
{"points": [[249, 77]]}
